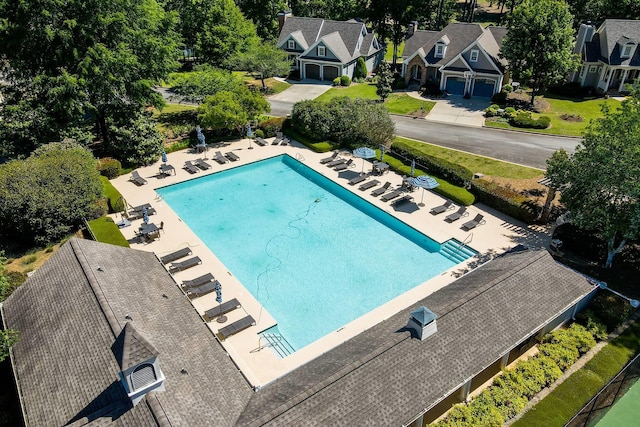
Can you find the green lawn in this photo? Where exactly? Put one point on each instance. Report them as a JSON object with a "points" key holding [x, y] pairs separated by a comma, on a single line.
{"points": [[588, 109], [173, 108], [275, 86], [396, 103], [388, 55], [106, 231], [110, 192], [570, 396], [472, 162]]}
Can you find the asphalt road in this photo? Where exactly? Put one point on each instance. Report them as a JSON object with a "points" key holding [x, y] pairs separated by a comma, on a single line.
{"points": [[524, 148]]}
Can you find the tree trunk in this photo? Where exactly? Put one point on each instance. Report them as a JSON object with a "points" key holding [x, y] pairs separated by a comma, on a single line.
{"points": [[439, 14], [264, 86], [533, 96], [102, 127], [395, 53], [546, 209], [612, 250]]}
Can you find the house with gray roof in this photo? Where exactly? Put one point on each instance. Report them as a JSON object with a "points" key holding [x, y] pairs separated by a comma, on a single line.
{"points": [[108, 338], [462, 58], [610, 55], [322, 49]]}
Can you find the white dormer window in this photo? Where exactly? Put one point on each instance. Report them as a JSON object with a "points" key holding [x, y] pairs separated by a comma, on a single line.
{"points": [[321, 51], [439, 50], [474, 56], [291, 44], [626, 50]]}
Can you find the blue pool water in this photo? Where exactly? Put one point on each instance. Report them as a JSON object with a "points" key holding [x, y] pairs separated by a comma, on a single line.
{"points": [[312, 253]]}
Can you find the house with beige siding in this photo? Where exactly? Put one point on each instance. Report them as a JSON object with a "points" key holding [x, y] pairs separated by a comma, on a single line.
{"points": [[461, 59]]}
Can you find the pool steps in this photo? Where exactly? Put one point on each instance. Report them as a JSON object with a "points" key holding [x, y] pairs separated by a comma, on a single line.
{"points": [[457, 253]]}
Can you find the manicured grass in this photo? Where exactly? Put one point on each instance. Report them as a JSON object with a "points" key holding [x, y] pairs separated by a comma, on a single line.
{"points": [[396, 103], [110, 192], [570, 396], [388, 55], [173, 108], [106, 231], [274, 86], [474, 163], [587, 109]]}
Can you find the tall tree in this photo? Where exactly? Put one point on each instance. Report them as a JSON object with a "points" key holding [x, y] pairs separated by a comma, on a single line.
{"points": [[202, 82], [266, 60], [8, 337], [264, 14], [391, 22], [385, 80], [232, 109], [539, 44], [600, 181], [104, 55]]}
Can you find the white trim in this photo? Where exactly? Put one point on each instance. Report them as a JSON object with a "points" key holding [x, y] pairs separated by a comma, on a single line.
{"points": [[291, 44], [322, 51], [476, 53], [481, 50]]}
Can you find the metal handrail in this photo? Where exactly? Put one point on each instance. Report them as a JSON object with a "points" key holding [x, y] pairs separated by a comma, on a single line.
{"points": [[464, 242]]}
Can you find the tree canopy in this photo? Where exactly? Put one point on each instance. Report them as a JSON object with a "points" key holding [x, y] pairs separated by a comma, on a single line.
{"points": [[46, 196], [265, 60], [87, 60], [264, 15], [539, 44], [204, 81], [232, 109], [600, 182], [385, 80]]}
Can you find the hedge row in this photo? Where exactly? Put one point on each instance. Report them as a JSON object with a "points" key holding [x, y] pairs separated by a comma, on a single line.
{"points": [[524, 120], [511, 391], [504, 199], [455, 174]]}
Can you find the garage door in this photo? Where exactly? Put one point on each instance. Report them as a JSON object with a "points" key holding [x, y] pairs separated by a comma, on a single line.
{"points": [[483, 87], [455, 85], [330, 73], [312, 71]]}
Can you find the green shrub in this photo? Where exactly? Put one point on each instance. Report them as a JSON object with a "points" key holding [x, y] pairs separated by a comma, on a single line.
{"points": [[109, 167], [336, 81], [524, 120], [562, 356], [491, 110], [550, 369], [345, 80], [505, 400], [400, 84], [271, 126], [259, 133], [360, 72], [507, 88], [453, 173], [509, 113], [504, 199], [609, 310], [115, 202], [499, 98]]}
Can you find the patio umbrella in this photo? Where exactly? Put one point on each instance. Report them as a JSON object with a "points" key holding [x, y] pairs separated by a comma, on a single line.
{"points": [[364, 153], [413, 167], [164, 157], [145, 215], [424, 181], [249, 131]]}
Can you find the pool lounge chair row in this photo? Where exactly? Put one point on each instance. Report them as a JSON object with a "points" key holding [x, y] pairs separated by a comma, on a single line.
{"points": [[180, 266], [202, 290], [221, 309], [138, 214], [198, 281], [137, 179], [173, 256]]}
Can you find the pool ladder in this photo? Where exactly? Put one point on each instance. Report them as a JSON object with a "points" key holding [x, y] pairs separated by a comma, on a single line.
{"points": [[299, 157], [279, 344]]}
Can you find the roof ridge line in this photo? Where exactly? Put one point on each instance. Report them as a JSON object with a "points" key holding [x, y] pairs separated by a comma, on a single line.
{"points": [[112, 320]]}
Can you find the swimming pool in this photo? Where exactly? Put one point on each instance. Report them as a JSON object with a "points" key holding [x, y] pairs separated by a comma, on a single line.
{"points": [[315, 255]]}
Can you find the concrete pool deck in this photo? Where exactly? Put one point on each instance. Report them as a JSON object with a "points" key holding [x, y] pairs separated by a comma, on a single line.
{"points": [[260, 365]]}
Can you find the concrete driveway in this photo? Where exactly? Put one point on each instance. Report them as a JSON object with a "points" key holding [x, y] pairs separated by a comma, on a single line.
{"points": [[457, 110], [299, 91]]}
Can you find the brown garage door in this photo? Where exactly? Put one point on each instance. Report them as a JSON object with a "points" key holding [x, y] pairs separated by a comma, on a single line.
{"points": [[329, 72], [312, 71]]}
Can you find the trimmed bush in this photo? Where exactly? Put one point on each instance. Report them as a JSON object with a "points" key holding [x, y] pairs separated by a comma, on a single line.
{"points": [[491, 110], [336, 81], [524, 120], [345, 80], [109, 167], [259, 133], [504, 199], [499, 98], [507, 88], [271, 126], [509, 113], [360, 72]]}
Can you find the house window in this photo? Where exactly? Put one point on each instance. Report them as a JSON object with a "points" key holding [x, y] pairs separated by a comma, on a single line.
{"points": [[626, 51], [321, 51], [291, 44], [474, 56], [440, 50], [593, 69]]}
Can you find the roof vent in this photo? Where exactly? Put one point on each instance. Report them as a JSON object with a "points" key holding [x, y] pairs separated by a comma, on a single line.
{"points": [[423, 322]]}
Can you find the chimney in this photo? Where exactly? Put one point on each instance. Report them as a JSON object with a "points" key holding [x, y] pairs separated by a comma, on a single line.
{"points": [[413, 26], [585, 35], [282, 16], [423, 322]]}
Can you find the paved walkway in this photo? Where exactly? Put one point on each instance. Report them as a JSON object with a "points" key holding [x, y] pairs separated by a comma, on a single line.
{"points": [[261, 366]]}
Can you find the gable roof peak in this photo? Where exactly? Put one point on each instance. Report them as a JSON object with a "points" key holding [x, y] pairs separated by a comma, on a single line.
{"points": [[131, 348]]}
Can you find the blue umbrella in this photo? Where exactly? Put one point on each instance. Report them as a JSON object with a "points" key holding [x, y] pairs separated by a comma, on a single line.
{"points": [[218, 293], [424, 181], [249, 132], [413, 167], [164, 156], [364, 153], [145, 215], [200, 135]]}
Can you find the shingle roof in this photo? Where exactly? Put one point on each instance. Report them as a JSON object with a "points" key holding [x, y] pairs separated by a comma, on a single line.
{"points": [[614, 30], [341, 37], [131, 348], [418, 39], [64, 362], [384, 377]]}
